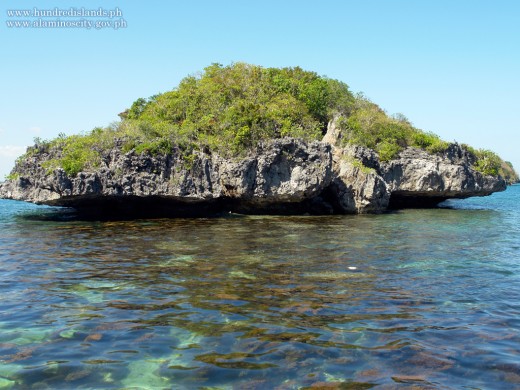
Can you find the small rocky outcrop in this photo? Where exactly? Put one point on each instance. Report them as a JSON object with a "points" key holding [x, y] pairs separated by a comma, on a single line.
{"points": [[357, 188], [416, 178], [281, 176]]}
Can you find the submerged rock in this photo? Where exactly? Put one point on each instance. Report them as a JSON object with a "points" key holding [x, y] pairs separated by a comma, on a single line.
{"points": [[282, 176]]}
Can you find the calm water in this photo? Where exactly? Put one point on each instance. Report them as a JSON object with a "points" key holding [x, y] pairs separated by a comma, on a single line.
{"points": [[413, 299]]}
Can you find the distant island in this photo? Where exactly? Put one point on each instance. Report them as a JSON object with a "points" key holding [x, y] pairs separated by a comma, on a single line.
{"points": [[254, 140]]}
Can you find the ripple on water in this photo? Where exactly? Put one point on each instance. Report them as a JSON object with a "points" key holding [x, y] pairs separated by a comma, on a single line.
{"points": [[417, 298]]}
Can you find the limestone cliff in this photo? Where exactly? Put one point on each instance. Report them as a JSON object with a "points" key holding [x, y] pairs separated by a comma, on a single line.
{"points": [[281, 176], [416, 178]]}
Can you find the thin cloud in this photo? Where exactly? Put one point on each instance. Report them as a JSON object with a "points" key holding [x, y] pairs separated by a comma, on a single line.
{"points": [[35, 130], [11, 151]]}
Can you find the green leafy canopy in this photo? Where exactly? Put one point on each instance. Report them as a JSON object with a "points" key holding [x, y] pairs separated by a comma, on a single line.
{"points": [[230, 109]]}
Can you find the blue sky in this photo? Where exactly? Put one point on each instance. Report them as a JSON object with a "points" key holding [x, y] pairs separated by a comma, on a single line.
{"points": [[452, 67]]}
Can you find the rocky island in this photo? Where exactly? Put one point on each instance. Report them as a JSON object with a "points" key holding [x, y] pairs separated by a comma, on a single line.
{"points": [[253, 140]]}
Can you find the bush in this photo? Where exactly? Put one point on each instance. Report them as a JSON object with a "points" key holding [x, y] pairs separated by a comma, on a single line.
{"points": [[230, 109], [508, 172], [227, 109], [368, 125], [489, 163], [76, 153]]}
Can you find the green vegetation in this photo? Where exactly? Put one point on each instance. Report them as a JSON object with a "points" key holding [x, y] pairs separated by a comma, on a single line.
{"points": [[508, 172], [12, 176], [77, 152], [358, 164], [74, 153], [226, 109], [230, 109], [489, 163], [370, 126]]}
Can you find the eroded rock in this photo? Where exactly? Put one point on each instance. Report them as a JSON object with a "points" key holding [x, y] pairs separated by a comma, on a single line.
{"points": [[417, 178], [281, 176], [281, 172]]}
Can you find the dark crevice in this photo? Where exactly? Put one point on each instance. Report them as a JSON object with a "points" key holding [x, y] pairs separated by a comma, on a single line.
{"points": [[398, 201], [153, 207]]}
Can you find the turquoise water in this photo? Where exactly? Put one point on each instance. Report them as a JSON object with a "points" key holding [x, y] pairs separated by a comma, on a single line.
{"points": [[411, 299]]}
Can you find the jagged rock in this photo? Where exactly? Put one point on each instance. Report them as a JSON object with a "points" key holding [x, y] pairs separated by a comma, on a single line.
{"points": [[281, 176], [360, 189], [357, 187], [416, 178], [291, 171], [333, 134], [281, 172]]}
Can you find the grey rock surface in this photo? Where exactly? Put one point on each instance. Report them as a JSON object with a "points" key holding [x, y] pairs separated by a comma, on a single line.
{"points": [[281, 176], [279, 172], [359, 187], [415, 173]]}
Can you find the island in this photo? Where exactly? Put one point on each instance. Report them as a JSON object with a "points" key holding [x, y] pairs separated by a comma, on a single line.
{"points": [[252, 140]]}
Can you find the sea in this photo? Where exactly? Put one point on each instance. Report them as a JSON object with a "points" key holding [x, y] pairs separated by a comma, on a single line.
{"points": [[412, 299]]}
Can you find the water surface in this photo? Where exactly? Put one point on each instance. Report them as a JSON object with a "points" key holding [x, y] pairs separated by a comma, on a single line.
{"points": [[411, 299]]}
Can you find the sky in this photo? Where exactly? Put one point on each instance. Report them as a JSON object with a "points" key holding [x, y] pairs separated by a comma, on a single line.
{"points": [[452, 67]]}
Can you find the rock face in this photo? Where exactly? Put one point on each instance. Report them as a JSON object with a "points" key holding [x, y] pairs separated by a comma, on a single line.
{"points": [[283, 176], [417, 178], [357, 187]]}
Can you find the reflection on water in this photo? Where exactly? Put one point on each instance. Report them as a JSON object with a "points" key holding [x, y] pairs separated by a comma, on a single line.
{"points": [[425, 298]]}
